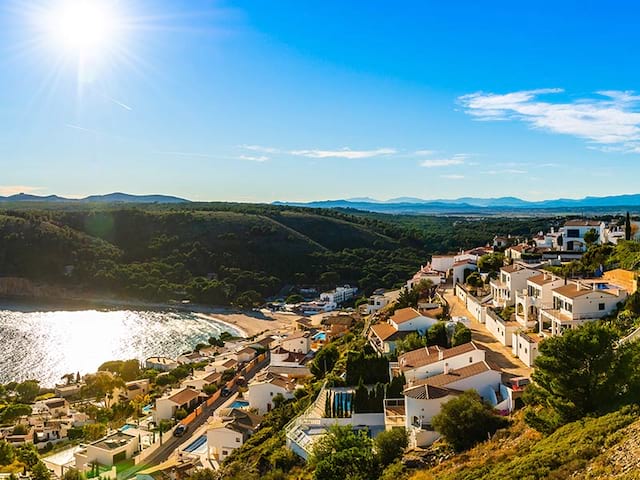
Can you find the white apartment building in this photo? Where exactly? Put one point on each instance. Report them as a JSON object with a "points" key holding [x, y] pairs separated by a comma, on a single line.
{"points": [[339, 295], [537, 295], [578, 302], [511, 279]]}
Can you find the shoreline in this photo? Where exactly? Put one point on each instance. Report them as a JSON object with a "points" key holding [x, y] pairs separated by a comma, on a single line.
{"points": [[247, 323]]}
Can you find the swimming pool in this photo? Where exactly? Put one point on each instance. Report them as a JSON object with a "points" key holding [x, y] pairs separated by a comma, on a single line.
{"points": [[320, 336], [126, 427], [239, 404], [199, 445]]}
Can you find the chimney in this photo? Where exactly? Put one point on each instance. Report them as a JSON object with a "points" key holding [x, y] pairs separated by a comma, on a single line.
{"points": [[440, 355], [446, 368]]}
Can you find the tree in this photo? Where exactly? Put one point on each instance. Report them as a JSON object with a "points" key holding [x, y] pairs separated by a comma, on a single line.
{"points": [[28, 390], [72, 474], [40, 472], [324, 361], [102, 384], [491, 262], [329, 278], [295, 298], [94, 431], [461, 334], [28, 454], [390, 445], [575, 374], [437, 335], [413, 341], [204, 474], [344, 453], [7, 453], [475, 280], [14, 411], [591, 236], [627, 227], [278, 400], [130, 370], [249, 299], [467, 420]]}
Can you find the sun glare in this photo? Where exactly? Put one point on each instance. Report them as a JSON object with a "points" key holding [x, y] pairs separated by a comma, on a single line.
{"points": [[83, 27]]}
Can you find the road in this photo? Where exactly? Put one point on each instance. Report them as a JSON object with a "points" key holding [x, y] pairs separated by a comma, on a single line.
{"points": [[496, 352], [165, 451]]}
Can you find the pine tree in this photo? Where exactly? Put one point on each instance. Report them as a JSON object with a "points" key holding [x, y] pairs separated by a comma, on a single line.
{"points": [[627, 228]]}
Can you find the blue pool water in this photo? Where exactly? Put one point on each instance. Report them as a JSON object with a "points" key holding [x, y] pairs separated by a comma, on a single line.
{"points": [[320, 336], [197, 443], [239, 404], [147, 409], [126, 427]]}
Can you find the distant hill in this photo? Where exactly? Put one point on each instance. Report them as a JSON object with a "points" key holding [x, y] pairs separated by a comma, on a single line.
{"points": [[116, 197], [470, 204]]}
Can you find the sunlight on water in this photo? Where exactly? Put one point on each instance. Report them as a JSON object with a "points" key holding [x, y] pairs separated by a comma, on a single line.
{"points": [[46, 345]]}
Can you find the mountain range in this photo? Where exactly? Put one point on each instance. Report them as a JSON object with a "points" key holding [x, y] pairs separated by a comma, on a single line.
{"points": [[470, 204], [116, 197]]}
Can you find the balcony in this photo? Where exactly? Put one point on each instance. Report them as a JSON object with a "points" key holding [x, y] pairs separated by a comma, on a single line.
{"points": [[394, 412]]}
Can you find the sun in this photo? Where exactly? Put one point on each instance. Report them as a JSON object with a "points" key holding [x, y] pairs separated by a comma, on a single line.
{"points": [[86, 28]]}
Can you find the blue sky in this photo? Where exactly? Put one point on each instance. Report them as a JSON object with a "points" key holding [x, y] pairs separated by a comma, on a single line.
{"points": [[308, 100]]}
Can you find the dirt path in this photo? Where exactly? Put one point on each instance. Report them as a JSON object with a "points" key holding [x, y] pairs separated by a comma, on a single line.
{"points": [[496, 352]]}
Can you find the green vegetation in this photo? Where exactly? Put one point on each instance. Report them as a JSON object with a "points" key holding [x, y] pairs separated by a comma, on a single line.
{"points": [[467, 420], [436, 335], [580, 373]]}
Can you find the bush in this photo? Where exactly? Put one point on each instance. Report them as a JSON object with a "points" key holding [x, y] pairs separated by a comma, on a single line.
{"points": [[7, 453], [467, 420], [461, 334], [390, 445]]}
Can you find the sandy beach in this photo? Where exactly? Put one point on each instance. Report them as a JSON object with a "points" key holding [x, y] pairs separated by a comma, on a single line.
{"points": [[254, 323]]}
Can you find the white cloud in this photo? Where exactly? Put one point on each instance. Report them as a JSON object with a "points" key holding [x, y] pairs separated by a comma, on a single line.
{"points": [[453, 176], [457, 159], [424, 152], [609, 119], [254, 158], [6, 190], [343, 153], [260, 148]]}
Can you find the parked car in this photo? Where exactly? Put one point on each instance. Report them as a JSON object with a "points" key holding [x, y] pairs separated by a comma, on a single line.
{"points": [[241, 381], [180, 430], [225, 392]]}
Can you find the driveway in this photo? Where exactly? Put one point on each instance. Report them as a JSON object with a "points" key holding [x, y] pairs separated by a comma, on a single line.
{"points": [[496, 352]]}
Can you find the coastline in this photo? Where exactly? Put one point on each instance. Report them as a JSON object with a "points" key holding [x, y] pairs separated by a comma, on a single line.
{"points": [[247, 323]]}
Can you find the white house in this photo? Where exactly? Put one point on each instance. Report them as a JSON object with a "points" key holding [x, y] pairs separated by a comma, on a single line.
{"points": [[206, 379], [163, 364], [186, 398], [52, 407], [429, 361], [442, 263], [426, 272], [375, 303], [245, 355], [511, 279], [339, 295], [299, 342], [537, 295], [107, 451], [574, 231], [410, 320], [525, 346], [134, 388], [500, 328], [424, 398], [461, 267], [263, 389], [383, 336], [229, 431], [579, 302], [192, 357]]}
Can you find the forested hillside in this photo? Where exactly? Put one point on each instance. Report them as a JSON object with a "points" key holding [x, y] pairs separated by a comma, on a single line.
{"points": [[225, 253]]}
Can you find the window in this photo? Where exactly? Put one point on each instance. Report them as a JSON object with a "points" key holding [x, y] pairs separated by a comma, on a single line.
{"points": [[601, 306], [225, 452], [470, 359], [237, 439], [573, 233], [271, 394]]}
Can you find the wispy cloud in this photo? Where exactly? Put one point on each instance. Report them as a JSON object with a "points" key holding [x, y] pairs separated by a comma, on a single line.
{"points": [[260, 148], [425, 153], [457, 159], [505, 171], [452, 176], [609, 118], [254, 158], [6, 190], [343, 153]]}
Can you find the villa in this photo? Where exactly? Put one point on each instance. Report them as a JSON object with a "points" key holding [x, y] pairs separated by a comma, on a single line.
{"points": [[265, 387], [383, 336], [511, 279], [166, 407], [229, 430], [107, 451]]}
